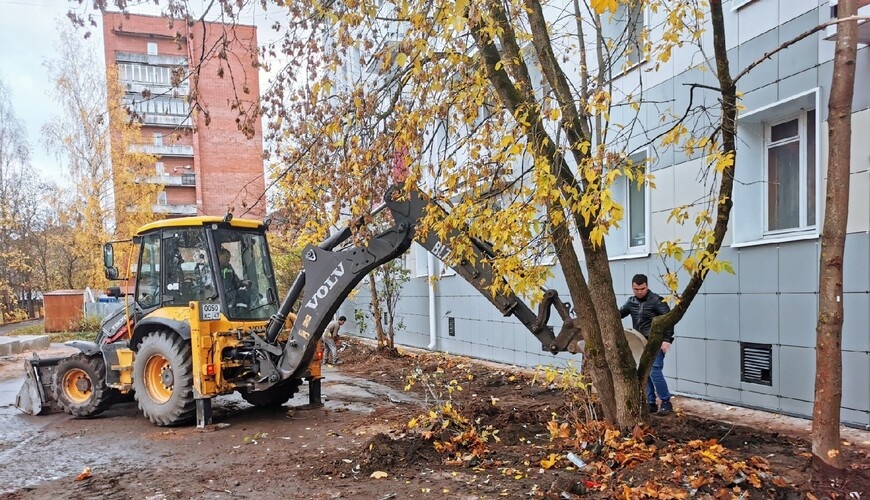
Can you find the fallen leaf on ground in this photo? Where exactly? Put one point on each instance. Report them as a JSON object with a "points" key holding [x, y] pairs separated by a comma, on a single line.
{"points": [[379, 474], [84, 475]]}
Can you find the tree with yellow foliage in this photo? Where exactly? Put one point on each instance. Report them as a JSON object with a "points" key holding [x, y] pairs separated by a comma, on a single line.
{"points": [[508, 114], [109, 196], [20, 193]]}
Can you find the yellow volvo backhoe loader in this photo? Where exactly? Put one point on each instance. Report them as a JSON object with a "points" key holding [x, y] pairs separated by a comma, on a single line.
{"points": [[205, 320]]}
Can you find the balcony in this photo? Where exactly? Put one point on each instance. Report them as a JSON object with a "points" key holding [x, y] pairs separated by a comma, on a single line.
{"points": [[172, 180], [159, 120], [186, 210], [153, 60], [176, 150], [157, 89]]}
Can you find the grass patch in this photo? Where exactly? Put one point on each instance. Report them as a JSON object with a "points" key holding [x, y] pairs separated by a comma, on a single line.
{"points": [[27, 330], [61, 337]]}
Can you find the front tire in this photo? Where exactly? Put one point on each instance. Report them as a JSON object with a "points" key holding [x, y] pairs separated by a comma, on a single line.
{"points": [[163, 379], [274, 396], [79, 386]]}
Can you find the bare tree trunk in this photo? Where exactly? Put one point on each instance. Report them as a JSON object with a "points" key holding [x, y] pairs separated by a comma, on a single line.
{"points": [[376, 312], [594, 359], [829, 331], [391, 332], [630, 399]]}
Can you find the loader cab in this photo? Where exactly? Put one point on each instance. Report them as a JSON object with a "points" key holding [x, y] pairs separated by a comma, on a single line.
{"points": [[209, 260]]}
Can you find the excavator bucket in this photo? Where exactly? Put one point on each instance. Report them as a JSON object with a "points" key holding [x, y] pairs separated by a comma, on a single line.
{"points": [[36, 395]]}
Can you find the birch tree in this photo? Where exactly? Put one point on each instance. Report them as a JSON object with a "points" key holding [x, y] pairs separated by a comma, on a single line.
{"points": [[92, 138], [20, 193]]}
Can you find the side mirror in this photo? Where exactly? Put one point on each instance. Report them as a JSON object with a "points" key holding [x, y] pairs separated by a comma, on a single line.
{"points": [[109, 257], [111, 273]]}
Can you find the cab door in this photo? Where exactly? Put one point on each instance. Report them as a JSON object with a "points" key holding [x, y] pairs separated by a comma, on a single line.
{"points": [[149, 282]]}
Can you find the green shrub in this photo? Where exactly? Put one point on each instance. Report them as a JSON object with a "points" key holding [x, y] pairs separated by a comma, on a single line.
{"points": [[86, 324]]}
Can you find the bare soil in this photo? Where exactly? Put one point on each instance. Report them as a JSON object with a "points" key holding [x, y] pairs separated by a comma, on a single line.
{"points": [[464, 429]]}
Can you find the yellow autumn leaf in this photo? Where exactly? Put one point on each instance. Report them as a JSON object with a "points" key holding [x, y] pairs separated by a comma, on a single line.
{"points": [[550, 461], [379, 474]]}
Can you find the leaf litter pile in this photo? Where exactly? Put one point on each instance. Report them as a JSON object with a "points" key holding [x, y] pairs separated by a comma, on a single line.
{"points": [[534, 434]]}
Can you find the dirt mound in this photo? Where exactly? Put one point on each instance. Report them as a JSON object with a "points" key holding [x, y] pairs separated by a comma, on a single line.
{"points": [[384, 452]]}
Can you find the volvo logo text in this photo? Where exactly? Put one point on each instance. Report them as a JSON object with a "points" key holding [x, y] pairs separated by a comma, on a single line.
{"points": [[327, 285]]}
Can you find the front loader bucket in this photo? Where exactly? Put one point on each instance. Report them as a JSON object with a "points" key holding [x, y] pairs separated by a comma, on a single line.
{"points": [[36, 395]]}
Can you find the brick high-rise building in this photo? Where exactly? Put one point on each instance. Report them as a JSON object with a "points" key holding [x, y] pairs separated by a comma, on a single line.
{"points": [[205, 169]]}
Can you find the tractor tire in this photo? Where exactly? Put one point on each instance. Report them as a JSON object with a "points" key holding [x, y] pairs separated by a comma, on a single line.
{"points": [[79, 386], [274, 396], [163, 379]]}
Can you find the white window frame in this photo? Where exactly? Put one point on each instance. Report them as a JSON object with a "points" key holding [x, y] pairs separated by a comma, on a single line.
{"points": [[804, 225], [162, 199], [158, 139], [629, 187], [151, 48], [645, 24], [750, 208], [738, 4], [421, 261], [444, 270], [160, 168], [622, 195]]}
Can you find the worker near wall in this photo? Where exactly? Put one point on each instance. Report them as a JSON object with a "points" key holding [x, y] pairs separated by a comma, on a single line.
{"points": [[643, 306], [330, 336]]}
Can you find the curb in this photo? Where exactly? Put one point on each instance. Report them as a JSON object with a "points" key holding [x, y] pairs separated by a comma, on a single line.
{"points": [[22, 343]]}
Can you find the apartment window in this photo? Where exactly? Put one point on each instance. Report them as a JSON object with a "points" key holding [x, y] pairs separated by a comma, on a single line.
{"points": [[791, 173], [161, 168], [158, 139], [161, 198], [421, 261], [636, 214], [778, 189], [622, 33], [636, 198], [152, 48], [631, 238]]}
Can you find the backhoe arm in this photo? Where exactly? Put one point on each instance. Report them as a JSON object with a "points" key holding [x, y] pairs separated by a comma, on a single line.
{"points": [[329, 276]]}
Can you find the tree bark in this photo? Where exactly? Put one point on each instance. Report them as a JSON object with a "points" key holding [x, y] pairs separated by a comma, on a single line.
{"points": [[829, 330], [376, 312], [594, 359]]}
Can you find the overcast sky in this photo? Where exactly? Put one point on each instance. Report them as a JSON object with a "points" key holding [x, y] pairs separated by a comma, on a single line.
{"points": [[28, 35]]}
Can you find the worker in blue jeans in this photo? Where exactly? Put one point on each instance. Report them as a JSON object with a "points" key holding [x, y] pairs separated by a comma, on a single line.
{"points": [[643, 306]]}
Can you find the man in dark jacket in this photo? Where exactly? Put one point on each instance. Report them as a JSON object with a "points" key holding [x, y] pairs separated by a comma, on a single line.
{"points": [[643, 307]]}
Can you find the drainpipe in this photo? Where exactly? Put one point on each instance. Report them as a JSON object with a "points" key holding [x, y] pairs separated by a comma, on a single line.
{"points": [[433, 319]]}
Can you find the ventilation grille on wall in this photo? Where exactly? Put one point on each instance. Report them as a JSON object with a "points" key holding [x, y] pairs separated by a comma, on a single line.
{"points": [[756, 363], [451, 327]]}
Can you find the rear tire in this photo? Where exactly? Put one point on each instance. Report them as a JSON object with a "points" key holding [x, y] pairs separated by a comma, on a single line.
{"points": [[79, 386], [274, 396], [163, 379]]}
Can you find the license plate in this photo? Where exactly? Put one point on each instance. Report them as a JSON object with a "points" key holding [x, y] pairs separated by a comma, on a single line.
{"points": [[209, 311]]}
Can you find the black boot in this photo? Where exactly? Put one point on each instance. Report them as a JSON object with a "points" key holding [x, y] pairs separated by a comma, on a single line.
{"points": [[666, 409], [653, 408]]}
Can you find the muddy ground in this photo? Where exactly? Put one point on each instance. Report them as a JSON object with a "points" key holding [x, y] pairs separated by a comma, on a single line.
{"points": [[478, 430]]}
